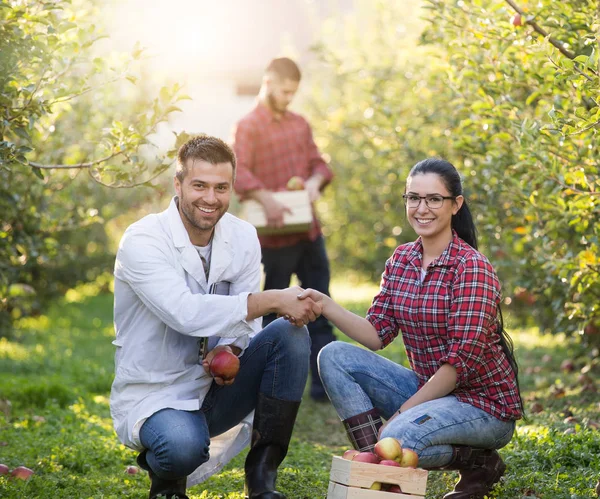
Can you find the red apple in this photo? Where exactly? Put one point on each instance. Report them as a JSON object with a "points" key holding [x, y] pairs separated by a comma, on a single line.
{"points": [[516, 20], [350, 453], [389, 462], [4, 470], [410, 459], [567, 365], [366, 457], [388, 448], [224, 365], [21, 472], [395, 488], [295, 184], [132, 470]]}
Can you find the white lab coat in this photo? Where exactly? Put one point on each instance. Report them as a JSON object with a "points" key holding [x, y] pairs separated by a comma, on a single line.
{"points": [[161, 311]]}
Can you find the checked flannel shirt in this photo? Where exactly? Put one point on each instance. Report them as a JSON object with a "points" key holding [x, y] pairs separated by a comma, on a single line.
{"points": [[450, 317], [269, 152]]}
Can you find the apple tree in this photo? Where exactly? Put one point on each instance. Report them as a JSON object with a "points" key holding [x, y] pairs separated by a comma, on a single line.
{"points": [[73, 134]]}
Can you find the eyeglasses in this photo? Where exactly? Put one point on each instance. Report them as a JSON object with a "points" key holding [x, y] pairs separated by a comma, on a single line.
{"points": [[434, 202]]}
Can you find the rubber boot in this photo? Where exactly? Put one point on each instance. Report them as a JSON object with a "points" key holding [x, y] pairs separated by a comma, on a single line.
{"points": [[363, 430], [271, 432]]}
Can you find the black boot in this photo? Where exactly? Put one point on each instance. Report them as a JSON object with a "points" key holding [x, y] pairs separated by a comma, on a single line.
{"points": [[162, 489], [271, 432], [363, 430], [480, 470]]}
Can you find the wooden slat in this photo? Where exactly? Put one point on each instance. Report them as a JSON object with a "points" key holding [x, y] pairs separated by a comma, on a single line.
{"points": [[299, 220], [357, 474], [339, 491]]}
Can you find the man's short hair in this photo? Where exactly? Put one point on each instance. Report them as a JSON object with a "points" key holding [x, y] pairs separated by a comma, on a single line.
{"points": [[204, 148], [285, 68]]}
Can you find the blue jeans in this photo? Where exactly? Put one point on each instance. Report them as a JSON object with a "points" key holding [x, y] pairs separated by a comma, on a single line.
{"points": [[308, 260], [358, 380], [274, 364]]}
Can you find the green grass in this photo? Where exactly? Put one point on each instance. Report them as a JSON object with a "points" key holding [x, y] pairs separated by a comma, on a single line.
{"points": [[57, 372]]}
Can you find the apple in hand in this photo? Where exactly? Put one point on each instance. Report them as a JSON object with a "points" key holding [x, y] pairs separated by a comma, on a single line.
{"points": [[388, 448], [295, 184], [350, 453], [410, 459], [224, 365], [21, 472], [366, 457]]}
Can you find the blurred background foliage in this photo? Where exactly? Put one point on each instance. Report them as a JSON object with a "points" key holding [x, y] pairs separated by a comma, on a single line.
{"points": [[74, 137], [507, 91]]}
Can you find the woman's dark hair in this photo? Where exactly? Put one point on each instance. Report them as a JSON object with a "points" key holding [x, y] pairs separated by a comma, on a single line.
{"points": [[463, 224]]}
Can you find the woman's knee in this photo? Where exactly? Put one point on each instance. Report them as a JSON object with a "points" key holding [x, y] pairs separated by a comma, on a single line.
{"points": [[331, 356]]}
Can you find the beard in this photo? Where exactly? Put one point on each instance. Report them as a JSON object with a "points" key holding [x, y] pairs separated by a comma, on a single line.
{"points": [[273, 104], [194, 217]]}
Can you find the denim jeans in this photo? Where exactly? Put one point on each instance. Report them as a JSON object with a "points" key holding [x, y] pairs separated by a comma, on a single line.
{"points": [[308, 260], [357, 380], [274, 364]]}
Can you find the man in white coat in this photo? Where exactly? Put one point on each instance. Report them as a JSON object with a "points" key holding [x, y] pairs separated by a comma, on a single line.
{"points": [[187, 286]]}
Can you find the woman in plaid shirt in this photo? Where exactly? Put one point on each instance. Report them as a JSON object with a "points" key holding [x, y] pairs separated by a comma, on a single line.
{"points": [[459, 401]]}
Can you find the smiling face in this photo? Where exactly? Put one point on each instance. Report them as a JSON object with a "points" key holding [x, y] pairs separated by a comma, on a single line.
{"points": [[431, 223], [204, 195]]}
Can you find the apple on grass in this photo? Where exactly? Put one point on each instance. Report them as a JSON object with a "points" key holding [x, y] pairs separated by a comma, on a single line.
{"points": [[388, 448], [132, 470], [4, 470], [21, 472], [224, 365]]}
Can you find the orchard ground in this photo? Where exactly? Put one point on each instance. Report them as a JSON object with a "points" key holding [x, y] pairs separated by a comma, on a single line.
{"points": [[57, 372]]}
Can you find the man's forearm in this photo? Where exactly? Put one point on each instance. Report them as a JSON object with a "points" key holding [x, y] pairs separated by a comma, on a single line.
{"points": [[263, 303]]}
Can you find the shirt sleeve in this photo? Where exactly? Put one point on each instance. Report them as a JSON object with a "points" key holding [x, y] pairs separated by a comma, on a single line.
{"points": [[381, 313], [243, 146], [316, 162], [473, 315], [142, 262]]}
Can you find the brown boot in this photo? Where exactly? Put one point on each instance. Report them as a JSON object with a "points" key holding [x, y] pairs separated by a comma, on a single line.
{"points": [[480, 470], [363, 430]]}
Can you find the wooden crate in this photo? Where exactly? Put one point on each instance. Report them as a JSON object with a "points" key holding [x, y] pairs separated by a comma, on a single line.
{"points": [[299, 220], [352, 480]]}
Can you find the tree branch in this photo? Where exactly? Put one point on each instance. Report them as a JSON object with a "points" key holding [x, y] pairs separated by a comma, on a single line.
{"points": [[78, 165], [536, 27]]}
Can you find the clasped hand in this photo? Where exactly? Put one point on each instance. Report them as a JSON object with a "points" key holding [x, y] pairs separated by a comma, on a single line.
{"points": [[299, 309]]}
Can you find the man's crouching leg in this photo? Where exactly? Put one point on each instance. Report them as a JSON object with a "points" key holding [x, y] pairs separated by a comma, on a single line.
{"points": [[278, 401], [176, 444]]}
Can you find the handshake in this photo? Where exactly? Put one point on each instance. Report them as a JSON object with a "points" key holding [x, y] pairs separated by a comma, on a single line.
{"points": [[300, 306]]}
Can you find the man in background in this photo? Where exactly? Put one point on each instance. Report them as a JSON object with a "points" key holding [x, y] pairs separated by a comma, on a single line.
{"points": [[272, 145]]}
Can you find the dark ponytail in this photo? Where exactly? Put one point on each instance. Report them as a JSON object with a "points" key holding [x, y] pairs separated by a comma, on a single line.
{"points": [[462, 222], [464, 226]]}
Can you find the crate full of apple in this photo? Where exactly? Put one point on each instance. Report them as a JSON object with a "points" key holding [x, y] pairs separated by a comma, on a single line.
{"points": [[390, 472], [295, 197]]}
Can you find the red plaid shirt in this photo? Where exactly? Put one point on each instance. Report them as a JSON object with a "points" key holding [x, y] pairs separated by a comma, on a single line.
{"points": [[450, 317], [269, 152]]}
